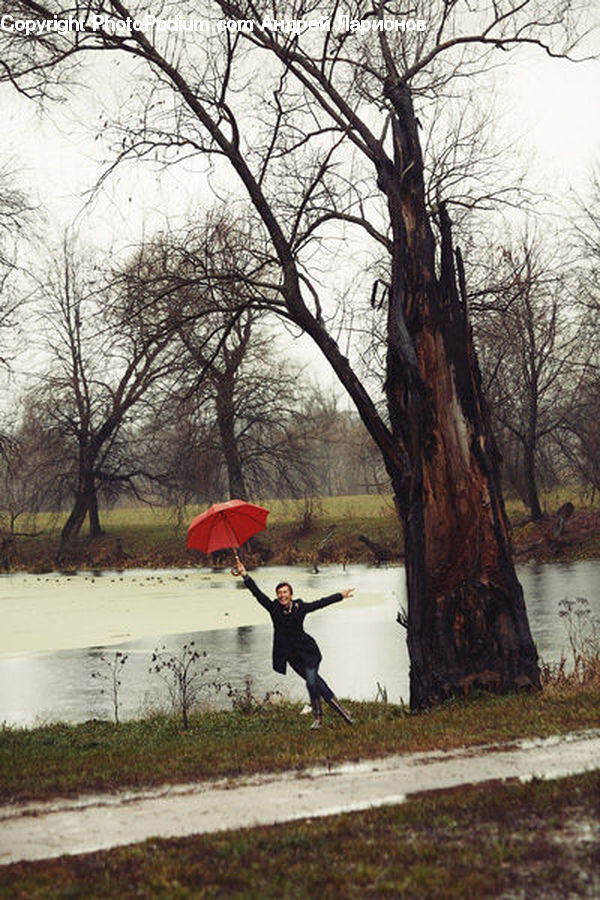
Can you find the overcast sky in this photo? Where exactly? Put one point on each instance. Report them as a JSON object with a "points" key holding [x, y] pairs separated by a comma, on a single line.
{"points": [[553, 105]]}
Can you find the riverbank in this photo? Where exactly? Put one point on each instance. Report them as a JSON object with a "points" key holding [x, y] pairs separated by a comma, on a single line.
{"points": [[335, 530]]}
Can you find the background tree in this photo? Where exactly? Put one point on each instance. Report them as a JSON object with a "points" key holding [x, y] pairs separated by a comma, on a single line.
{"points": [[234, 400], [16, 212], [30, 471], [337, 114], [580, 434], [16, 215], [582, 429], [103, 358], [251, 394], [343, 457], [532, 347], [18, 464]]}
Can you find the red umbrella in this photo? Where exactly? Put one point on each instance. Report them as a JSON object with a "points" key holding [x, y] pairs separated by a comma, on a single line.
{"points": [[226, 525]]}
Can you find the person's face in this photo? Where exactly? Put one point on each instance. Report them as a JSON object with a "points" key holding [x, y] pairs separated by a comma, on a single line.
{"points": [[284, 594]]}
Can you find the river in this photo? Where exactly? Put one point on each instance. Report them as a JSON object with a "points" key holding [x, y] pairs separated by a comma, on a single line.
{"points": [[59, 631]]}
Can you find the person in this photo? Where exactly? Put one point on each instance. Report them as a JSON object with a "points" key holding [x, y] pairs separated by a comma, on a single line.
{"points": [[291, 644]]}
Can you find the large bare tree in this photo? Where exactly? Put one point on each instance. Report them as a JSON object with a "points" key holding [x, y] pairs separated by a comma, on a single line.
{"points": [[322, 128]]}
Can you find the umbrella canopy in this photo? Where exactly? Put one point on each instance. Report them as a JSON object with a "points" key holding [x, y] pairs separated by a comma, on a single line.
{"points": [[226, 525]]}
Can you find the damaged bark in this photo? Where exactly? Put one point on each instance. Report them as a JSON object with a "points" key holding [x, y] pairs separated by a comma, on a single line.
{"points": [[467, 621]]}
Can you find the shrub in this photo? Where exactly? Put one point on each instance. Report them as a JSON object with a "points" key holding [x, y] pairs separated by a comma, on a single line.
{"points": [[245, 701], [583, 632], [186, 678], [112, 669]]}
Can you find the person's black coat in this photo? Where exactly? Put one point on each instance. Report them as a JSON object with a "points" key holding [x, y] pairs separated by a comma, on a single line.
{"points": [[290, 642]]}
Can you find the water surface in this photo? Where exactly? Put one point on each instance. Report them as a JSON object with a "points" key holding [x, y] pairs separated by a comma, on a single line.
{"points": [[364, 650]]}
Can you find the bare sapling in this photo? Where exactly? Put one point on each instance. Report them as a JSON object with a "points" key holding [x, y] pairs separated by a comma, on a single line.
{"points": [[110, 675], [186, 675]]}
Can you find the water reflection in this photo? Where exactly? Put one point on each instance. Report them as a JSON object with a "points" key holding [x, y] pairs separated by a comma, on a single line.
{"points": [[544, 587], [362, 647]]}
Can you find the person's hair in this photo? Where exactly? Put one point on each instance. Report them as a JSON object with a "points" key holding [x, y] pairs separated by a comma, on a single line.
{"points": [[284, 584]]}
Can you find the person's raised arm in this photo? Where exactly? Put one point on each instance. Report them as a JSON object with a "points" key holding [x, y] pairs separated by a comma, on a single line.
{"points": [[250, 583], [326, 601]]}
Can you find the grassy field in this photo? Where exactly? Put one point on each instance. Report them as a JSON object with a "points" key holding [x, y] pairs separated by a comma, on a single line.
{"points": [[66, 759], [328, 530], [539, 840]]}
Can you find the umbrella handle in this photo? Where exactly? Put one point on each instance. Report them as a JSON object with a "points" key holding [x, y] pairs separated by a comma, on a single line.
{"points": [[238, 563]]}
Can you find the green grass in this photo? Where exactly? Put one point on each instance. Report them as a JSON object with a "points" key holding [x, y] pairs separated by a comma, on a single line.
{"points": [[550, 500], [152, 537], [67, 759], [155, 537], [491, 841], [282, 513]]}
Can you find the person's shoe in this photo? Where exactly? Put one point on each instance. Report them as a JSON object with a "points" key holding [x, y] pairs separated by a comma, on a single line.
{"points": [[335, 704], [317, 714]]}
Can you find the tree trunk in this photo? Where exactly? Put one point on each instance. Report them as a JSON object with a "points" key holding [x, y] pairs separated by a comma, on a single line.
{"points": [[72, 526], [85, 498], [93, 514], [533, 500], [226, 422], [467, 623]]}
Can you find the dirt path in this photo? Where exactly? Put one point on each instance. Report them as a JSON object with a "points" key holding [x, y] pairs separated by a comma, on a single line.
{"points": [[44, 830]]}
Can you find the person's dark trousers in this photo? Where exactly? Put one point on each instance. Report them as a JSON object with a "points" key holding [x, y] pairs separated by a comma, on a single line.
{"points": [[317, 687]]}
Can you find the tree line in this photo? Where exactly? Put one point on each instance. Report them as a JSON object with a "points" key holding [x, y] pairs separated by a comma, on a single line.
{"points": [[160, 383], [149, 393], [144, 395]]}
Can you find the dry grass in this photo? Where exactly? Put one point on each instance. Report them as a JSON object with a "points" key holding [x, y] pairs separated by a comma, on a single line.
{"points": [[322, 530]]}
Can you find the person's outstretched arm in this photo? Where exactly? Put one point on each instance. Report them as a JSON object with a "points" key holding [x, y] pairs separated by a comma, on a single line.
{"points": [[327, 601], [251, 585]]}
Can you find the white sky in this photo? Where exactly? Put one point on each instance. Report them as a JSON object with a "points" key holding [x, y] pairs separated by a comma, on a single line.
{"points": [[556, 104], [553, 104]]}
